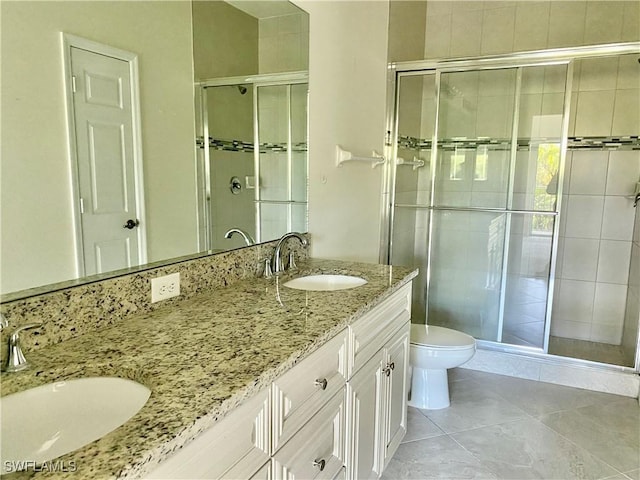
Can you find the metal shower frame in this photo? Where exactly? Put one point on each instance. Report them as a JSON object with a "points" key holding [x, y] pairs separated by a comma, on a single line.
{"points": [[256, 81], [560, 56]]}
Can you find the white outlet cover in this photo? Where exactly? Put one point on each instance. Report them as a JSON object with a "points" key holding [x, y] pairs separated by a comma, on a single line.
{"points": [[165, 287]]}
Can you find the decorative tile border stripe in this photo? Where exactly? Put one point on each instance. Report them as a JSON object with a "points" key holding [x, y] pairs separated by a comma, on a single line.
{"points": [[630, 142], [240, 146]]}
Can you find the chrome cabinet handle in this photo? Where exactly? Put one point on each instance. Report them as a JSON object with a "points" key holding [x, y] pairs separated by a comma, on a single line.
{"points": [[322, 383], [320, 464]]}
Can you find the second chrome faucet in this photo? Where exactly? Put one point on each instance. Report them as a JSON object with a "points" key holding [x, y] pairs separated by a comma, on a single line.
{"points": [[277, 265], [248, 239], [15, 358]]}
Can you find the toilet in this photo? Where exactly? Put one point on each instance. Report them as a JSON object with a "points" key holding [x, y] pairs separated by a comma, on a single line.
{"points": [[432, 351]]}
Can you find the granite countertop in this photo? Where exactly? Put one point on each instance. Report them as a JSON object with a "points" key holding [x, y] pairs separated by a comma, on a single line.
{"points": [[200, 357]]}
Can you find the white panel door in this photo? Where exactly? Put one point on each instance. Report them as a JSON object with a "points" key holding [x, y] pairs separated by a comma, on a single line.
{"points": [[105, 153]]}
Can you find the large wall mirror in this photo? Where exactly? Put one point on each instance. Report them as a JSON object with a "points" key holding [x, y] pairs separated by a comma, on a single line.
{"points": [[222, 138]]}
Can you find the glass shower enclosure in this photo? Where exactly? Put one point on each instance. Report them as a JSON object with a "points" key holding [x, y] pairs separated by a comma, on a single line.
{"points": [[481, 149], [252, 171]]}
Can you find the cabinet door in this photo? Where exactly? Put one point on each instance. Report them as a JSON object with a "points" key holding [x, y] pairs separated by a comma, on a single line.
{"points": [[396, 389], [263, 474], [371, 332], [317, 450], [239, 443], [364, 420], [341, 475]]}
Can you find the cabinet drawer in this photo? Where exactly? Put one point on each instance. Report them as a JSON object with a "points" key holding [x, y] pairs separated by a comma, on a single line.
{"points": [[369, 334], [317, 450], [301, 392], [239, 443]]}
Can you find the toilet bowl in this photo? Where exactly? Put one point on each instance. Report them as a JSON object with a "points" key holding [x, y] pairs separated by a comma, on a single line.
{"points": [[432, 351]]}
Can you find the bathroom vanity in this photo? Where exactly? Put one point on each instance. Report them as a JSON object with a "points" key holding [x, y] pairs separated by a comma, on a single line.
{"points": [[253, 380], [343, 406]]}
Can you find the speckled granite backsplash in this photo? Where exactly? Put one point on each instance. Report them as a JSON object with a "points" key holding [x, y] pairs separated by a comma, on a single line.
{"points": [[73, 311], [201, 358]]}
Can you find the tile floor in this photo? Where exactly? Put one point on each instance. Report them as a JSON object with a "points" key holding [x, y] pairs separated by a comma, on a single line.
{"points": [[508, 428]]}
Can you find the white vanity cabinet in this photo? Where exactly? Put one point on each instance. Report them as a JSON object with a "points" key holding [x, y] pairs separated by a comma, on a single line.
{"points": [[236, 447], [294, 429], [377, 390], [338, 414]]}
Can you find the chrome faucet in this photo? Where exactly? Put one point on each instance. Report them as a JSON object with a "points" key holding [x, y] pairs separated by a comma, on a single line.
{"points": [[276, 261], [248, 239], [15, 358]]}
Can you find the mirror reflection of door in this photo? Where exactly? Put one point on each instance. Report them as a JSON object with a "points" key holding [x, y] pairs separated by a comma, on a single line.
{"points": [[103, 113]]}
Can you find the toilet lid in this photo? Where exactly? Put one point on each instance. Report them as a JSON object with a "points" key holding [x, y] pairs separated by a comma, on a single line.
{"points": [[440, 337]]}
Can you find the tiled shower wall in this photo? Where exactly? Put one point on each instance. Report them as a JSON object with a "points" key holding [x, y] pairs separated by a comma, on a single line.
{"points": [[592, 288], [596, 229], [597, 214], [283, 47], [471, 28], [231, 118], [284, 43]]}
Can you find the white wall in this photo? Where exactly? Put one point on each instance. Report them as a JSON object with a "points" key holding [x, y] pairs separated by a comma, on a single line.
{"points": [[37, 226], [347, 69]]}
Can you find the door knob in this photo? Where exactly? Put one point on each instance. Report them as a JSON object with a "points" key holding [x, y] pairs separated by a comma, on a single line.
{"points": [[131, 223]]}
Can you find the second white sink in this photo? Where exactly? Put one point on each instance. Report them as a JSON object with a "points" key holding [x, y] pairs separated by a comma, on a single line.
{"points": [[325, 282], [42, 423]]}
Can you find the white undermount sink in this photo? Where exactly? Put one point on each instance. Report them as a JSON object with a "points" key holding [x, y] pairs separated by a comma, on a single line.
{"points": [[325, 282], [42, 423]]}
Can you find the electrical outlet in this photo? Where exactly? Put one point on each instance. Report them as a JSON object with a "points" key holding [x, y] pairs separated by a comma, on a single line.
{"points": [[165, 287]]}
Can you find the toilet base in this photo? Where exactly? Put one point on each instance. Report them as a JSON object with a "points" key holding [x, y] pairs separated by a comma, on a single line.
{"points": [[429, 389]]}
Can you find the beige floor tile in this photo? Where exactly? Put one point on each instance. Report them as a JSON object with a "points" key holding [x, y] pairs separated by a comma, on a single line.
{"points": [[495, 430], [611, 432], [527, 449], [633, 475], [419, 426], [472, 406], [538, 398], [438, 457]]}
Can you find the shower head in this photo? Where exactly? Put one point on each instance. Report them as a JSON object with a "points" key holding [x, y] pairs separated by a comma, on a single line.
{"points": [[242, 89]]}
